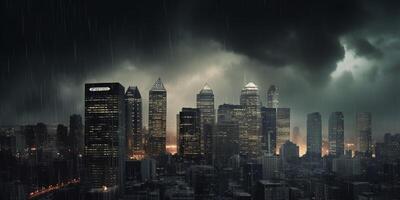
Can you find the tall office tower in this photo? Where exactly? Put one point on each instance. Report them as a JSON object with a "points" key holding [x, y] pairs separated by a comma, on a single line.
{"points": [[205, 103], [282, 127], [250, 100], [273, 97], [268, 129], [227, 140], [336, 134], [289, 152], [363, 121], [314, 134], [134, 120], [230, 115], [62, 143], [157, 118], [76, 133], [296, 137], [105, 140], [189, 135]]}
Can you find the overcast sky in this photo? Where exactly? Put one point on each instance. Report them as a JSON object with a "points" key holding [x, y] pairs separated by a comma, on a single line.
{"points": [[335, 55]]}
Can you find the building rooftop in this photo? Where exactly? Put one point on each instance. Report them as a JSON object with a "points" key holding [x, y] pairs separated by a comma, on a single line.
{"points": [[158, 86]]}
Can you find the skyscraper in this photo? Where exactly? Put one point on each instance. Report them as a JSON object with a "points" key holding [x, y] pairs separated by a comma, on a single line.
{"points": [[296, 137], [273, 97], [104, 136], [250, 100], [76, 133], [135, 137], [282, 127], [157, 118], [336, 134], [231, 129], [314, 134], [205, 103], [189, 136], [363, 121], [268, 129]]}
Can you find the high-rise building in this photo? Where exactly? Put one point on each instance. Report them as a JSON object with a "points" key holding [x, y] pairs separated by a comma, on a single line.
{"points": [[282, 127], [289, 152], [273, 97], [76, 133], [363, 121], [268, 129], [189, 136], [336, 134], [205, 103], [250, 100], [157, 118], [230, 128], [270, 166], [104, 137], [296, 136], [134, 120], [227, 140], [314, 134]]}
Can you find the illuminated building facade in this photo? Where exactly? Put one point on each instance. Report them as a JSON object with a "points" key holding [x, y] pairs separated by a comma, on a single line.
{"points": [[363, 121], [336, 134], [134, 120], [104, 136], [251, 140], [189, 135], [205, 104], [314, 134], [157, 118], [282, 127]]}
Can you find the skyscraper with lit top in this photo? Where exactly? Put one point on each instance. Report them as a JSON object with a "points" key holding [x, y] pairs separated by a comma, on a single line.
{"points": [[157, 118], [205, 104], [251, 140], [104, 137]]}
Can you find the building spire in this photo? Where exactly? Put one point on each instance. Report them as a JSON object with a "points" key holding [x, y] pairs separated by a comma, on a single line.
{"points": [[158, 85]]}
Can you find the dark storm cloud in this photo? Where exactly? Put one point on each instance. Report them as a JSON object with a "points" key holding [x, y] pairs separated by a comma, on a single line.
{"points": [[363, 47], [50, 48]]}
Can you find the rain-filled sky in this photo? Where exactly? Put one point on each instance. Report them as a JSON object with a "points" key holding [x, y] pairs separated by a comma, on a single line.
{"points": [[334, 55]]}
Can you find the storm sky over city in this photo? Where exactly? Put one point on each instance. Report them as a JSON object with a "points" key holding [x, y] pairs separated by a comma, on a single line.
{"points": [[325, 56]]}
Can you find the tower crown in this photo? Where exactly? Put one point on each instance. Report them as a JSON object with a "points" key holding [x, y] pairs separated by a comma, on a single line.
{"points": [[158, 86]]}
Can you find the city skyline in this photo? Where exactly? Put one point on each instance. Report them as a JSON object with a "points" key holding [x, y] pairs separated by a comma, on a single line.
{"points": [[200, 100]]}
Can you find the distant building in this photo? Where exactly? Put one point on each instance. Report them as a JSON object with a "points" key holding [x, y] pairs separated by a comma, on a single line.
{"points": [[205, 103], [202, 179], [282, 127], [336, 134], [289, 152], [296, 136], [272, 190], [314, 134], [134, 120], [363, 121], [346, 166], [157, 118], [271, 166], [251, 140], [104, 137], [189, 136], [76, 133], [268, 129], [227, 138], [273, 97]]}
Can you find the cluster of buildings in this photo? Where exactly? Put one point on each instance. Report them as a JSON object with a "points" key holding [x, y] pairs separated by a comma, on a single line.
{"points": [[229, 151]]}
